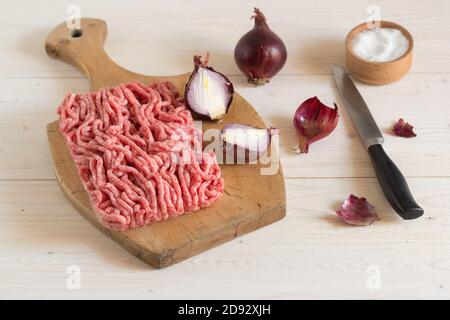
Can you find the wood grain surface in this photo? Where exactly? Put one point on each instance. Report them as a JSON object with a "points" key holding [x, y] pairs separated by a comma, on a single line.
{"points": [[308, 254], [251, 200]]}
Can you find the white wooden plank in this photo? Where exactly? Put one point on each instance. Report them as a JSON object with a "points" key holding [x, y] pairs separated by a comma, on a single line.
{"points": [[26, 106], [309, 254], [418, 99], [151, 42]]}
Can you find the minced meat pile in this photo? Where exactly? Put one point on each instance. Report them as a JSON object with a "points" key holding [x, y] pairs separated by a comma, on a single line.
{"points": [[139, 154]]}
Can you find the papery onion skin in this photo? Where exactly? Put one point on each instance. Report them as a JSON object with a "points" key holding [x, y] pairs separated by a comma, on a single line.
{"points": [[357, 211], [260, 54], [403, 129], [198, 63], [250, 155], [313, 121]]}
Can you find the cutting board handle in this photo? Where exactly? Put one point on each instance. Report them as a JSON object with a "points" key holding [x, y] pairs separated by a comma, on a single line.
{"points": [[83, 48]]}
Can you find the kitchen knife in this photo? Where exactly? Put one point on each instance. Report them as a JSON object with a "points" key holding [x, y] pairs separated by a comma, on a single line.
{"points": [[392, 181]]}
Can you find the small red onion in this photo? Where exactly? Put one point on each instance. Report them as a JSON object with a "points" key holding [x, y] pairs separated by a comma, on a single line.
{"points": [[260, 53], [357, 211], [313, 121], [208, 92], [403, 129], [244, 143]]}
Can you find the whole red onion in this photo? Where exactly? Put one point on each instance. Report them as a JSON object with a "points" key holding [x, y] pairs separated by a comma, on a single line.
{"points": [[260, 53]]}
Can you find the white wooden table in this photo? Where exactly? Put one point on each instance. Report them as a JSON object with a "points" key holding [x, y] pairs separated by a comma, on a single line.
{"points": [[309, 254]]}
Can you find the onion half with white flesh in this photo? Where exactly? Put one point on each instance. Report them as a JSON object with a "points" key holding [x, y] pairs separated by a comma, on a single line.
{"points": [[208, 92], [244, 144]]}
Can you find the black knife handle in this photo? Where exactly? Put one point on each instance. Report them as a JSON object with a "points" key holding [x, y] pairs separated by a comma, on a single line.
{"points": [[394, 185]]}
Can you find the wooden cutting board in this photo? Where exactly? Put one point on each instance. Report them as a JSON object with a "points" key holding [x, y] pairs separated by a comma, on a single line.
{"points": [[250, 201]]}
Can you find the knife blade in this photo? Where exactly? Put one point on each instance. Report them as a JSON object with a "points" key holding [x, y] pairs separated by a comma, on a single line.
{"points": [[357, 108], [392, 181]]}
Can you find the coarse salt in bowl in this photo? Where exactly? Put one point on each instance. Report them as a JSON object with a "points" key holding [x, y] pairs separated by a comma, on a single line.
{"points": [[380, 44], [379, 55]]}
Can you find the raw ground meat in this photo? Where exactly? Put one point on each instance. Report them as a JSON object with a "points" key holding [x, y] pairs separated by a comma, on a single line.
{"points": [[138, 154]]}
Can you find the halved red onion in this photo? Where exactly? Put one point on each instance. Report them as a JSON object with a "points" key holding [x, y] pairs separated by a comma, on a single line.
{"points": [[403, 129], [244, 143], [357, 211], [313, 121], [208, 92]]}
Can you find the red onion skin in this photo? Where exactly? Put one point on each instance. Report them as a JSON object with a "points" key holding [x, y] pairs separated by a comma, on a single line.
{"points": [[313, 121], [260, 53], [403, 129], [357, 211]]}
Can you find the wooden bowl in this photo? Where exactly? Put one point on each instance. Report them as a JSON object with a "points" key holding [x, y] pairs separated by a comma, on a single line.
{"points": [[378, 73]]}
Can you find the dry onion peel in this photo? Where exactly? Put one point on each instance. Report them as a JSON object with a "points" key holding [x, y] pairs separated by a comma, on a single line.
{"points": [[403, 129], [357, 211]]}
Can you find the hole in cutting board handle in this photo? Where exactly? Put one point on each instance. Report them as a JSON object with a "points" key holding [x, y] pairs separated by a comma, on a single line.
{"points": [[76, 33]]}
